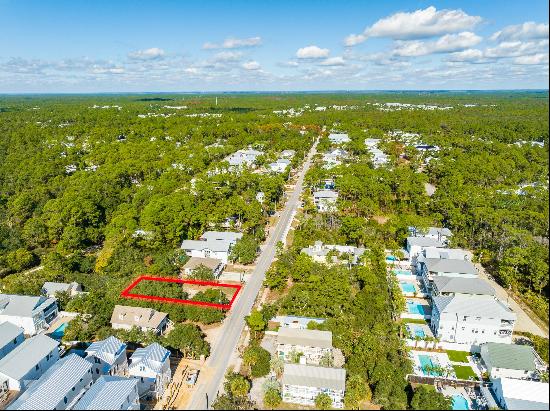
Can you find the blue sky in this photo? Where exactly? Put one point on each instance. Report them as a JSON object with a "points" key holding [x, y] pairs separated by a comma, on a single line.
{"points": [[100, 46]]}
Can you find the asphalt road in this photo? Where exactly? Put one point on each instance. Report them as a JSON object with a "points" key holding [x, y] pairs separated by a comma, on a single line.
{"points": [[226, 344]]}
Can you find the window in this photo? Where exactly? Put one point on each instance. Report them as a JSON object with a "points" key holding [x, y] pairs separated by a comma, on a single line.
{"points": [[37, 367], [15, 341], [65, 400], [97, 370], [72, 389]]}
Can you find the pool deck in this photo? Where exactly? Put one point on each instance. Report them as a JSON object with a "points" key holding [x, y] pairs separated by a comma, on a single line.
{"points": [[441, 358], [425, 306], [60, 319]]}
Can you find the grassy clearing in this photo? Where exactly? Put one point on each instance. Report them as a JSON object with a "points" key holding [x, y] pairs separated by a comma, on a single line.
{"points": [[458, 356], [464, 372]]}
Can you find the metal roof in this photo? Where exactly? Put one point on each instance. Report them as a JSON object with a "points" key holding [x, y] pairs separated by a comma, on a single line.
{"points": [[473, 305], [152, 357], [425, 242], [8, 333], [305, 338], [325, 194], [509, 356], [214, 245], [50, 288], [441, 265], [26, 355], [108, 393], [524, 394], [50, 389], [23, 305], [222, 236], [317, 377], [461, 285], [107, 350]]}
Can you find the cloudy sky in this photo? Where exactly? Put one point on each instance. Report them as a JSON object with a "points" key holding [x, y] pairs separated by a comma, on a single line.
{"points": [[134, 45]]}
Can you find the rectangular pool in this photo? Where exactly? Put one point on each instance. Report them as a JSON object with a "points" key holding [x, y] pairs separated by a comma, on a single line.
{"points": [[402, 272], [59, 332], [407, 287], [415, 308], [460, 403], [417, 331]]}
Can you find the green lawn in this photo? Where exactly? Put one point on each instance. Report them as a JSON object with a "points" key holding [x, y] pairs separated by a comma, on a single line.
{"points": [[464, 372], [413, 321], [458, 356]]}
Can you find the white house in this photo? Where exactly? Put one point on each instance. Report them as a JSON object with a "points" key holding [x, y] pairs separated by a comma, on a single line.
{"points": [[287, 154], [313, 345], [339, 138], [110, 393], [416, 245], [325, 200], [243, 158], [33, 314], [108, 357], [292, 321], [151, 367], [319, 252], [212, 264], [431, 268], [511, 361], [472, 319], [10, 337], [303, 383], [438, 233], [212, 244], [125, 317], [28, 361], [49, 289], [513, 394], [449, 286], [280, 165], [58, 388]]}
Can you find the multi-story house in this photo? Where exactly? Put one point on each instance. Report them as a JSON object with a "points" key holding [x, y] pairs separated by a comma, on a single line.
{"points": [[110, 393], [472, 319], [10, 337], [125, 317], [49, 289], [150, 366], [416, 245], [33, 314], [303, 383], [319, 252], [108, 357], [325, 200], [449, 286], [514, 394], [212, 244], [441, 267], [339, 138], [310, 345], [511, 361]]}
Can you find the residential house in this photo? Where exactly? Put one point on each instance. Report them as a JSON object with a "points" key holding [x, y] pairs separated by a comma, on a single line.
{"points": [[49, 289], [334, 158], [325, 200], [212, 264], [111, 393], [212, 244], [287, 154], [303, 383], [108, 357], [146, 319], [243, 158], [28, 361], [438, 233], [280, 165], [431, 268], [416, 245], [449, 286], [339, 138], [513, 394], [336, 253], [292, 321], [313, 345], [472, 319], [10, 337], [33, 314], [511, 361], [379, 158], [151, 367], [59, 388]]}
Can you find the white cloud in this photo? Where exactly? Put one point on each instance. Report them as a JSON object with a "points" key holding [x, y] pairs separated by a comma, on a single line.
{"points": [[445, 44], [147, 54], [517, 48], [312, 52], [234, 43], [526, 31], [539, 58], [415, 25], [469, 55], [251, 65], [228, 56], [333, 61], [108, 70]]}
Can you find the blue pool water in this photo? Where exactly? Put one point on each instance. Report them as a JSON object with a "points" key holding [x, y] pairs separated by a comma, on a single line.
{"points": [[425, 362], [415, 308], [407, 287], [391, 258], [418, 332], [59, 332], [460, 403], [402, 272]]}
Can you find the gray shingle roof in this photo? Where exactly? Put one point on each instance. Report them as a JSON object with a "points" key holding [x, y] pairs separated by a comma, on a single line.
{"points": [[318, 377], [146, 317], [48, 391], [222, 236], [425, 242], [463, 285], [509, 356], [108, 393], [440, 265], [153, 357], [196, 262], [325, 194], [26, 355], [306, 338], [473, 305], [8, 333]]}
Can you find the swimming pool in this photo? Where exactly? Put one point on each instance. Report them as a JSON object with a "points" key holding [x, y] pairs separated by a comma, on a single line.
{"points": [[391, 258], [59, 332], [415, 308], [417, 331], [407, 287], [402, 272], [427, 365], [460, 403]]}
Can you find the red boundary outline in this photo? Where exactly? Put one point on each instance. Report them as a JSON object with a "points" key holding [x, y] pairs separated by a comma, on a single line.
{"points": [[127, 294]]}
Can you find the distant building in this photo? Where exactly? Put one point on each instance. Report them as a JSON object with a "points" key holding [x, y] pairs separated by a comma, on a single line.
{"points": [[33, 314], [212, 264], [59, 388], [472, 319], [10, 337], [212, 244], [49, 289], [416, 245], [312, 344], [108, 357], [438, 233], [325, 200], [303, 383], [146, 319], [431, 268], [338, 138], [150, 366], [287, 154], [511, 361], [512, 394], [450, 286], [28, 361], [243, 158], [292, 321], [320, 251], [279, 166], [110, 393]]}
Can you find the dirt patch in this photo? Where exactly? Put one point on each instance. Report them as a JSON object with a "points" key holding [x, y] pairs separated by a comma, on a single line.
{"points": [[380, 219]]}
